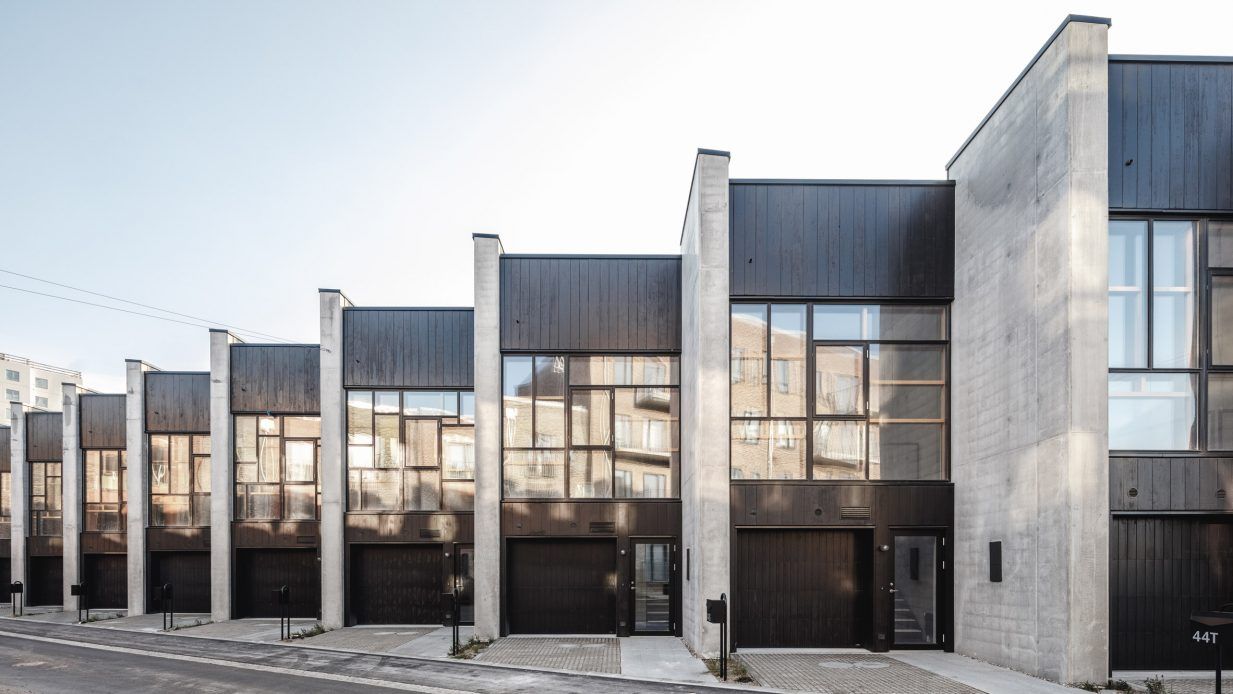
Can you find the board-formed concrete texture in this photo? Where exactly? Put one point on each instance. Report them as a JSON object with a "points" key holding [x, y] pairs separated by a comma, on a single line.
{"points": [[136, 481], [487, 436], [70, 490], [222, 474], [705, 361], [333, 467], [19, 481], [1029, 406]]}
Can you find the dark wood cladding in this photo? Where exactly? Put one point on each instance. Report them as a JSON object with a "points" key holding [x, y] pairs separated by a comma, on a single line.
{"points": [[591, 518], [397, 583], [1163, 570], [795, 504], [103, 421], [842, 239], [1171, 484], [283, 379], [1170, 135], [259, 572], [562, 586], [408, 348], [285, 534], [177, 402], [44, 546], [177, 539], [44, 580], [44, 437], [410, 527], [104, 543], [566, 303], [6, 451], [106, 579], [189, 575]]}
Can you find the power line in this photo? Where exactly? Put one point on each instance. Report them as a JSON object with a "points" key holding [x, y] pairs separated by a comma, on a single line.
{"points": [[135, 303], [122, 310]]}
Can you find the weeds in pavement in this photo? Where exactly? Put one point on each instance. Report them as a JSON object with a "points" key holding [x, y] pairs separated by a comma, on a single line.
{"points": [[470, 649], [736, 671], [309, 632]]}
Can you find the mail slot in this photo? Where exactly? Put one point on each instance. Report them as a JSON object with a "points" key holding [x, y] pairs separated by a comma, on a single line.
{"points": [[77, 590]]}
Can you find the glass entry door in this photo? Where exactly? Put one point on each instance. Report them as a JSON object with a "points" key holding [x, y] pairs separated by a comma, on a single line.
{"points": [[652, 586], [915, 591]]}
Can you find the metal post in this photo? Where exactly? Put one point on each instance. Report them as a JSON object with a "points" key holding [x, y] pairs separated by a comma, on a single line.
{"points": [[723, 639]]}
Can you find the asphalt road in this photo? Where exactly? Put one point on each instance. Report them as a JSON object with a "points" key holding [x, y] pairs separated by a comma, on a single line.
{"points": [[43, 657]]}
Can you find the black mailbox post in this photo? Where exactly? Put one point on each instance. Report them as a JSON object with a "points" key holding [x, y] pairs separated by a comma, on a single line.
{"points": [[1213, 628], [449, 605], [78, 590], [717, 613], [282, 598], [166, 602], [17, 596]]}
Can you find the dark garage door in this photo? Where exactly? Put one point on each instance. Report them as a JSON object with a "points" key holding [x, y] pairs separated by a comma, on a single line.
{"points": [[6, 567], [396, 584], [258, 572], [46, 581], [1164, 569], [801, 588], [561, 587], [106, 580], [189, 576]]}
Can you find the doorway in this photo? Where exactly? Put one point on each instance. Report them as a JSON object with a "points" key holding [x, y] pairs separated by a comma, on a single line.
{"points": [[916, 597], [652, 587]]}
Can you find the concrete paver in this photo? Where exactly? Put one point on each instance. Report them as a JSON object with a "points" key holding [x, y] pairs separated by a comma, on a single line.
{"points": [[662, 657], [57, 616], [151, 623], [974, 673], [599, 654], [258, 630], [1178, 682], [367, 639], [846, 673]]}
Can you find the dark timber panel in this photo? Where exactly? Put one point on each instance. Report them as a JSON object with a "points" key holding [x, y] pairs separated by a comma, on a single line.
{"points": [[177, 402], [44, 437], [106, 580], [1170, 135], [1171, 484], [562, 586], [1163, 569], [842, 239], [802, 588], [45, 581], [396, 584], [408, 348], [6, 451], [103, 421], [6, 570], [591, 303], [261, 571], [189, 575], [285, 379]]}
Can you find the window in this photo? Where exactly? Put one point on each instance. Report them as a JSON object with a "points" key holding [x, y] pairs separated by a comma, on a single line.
{"points": [[105, 497], [277, 460], [410, 450], [12, 395], [877, 406], [40, 401], [12, 375], [6, 505], [619, 440], [1219, 378], [179, 480], [1154, 359], [40, 383], [46, 501]]}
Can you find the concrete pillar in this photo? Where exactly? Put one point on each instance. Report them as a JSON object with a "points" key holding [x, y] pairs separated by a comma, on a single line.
{"points": [[487, 366], [1029, 358], [333, 459], [19, 480], [138, 481], [70, 479], [705, 419], [222, 473]]}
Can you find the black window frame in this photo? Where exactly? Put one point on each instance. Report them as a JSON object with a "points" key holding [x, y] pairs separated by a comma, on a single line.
{"points": [[192, 476], [282, 483], [122, 472]]}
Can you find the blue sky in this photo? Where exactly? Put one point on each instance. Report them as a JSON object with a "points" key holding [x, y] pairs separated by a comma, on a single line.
{"points": [[226, 159]]}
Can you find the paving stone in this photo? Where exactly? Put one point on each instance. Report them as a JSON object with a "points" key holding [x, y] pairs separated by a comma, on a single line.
{"points": [[1188, 686], [846, 674], [368, 639], [577, 654]]}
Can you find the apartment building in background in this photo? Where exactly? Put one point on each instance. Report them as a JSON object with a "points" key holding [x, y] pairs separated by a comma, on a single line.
{"points": [[34, 384], [984, 414]]}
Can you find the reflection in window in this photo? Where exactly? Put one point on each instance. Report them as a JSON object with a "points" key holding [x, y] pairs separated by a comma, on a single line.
{"points": [[768, 450], [46, 500], [788, 360], [276, 467], [1220, 412], [1127, 294], [748, 375], [103, 489], [838, 449], [1222, 320], [1173, 295], [1152, 411]]}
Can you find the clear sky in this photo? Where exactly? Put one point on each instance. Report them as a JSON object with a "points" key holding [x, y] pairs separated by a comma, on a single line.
{"points": [[226, 159]]}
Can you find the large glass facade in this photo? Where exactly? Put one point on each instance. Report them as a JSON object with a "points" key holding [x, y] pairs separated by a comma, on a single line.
{"points": [[105, 500], [277, 474], [179, 480], [875, 407], [591, 427], [6, 505], [46, 500], [410, 450]]}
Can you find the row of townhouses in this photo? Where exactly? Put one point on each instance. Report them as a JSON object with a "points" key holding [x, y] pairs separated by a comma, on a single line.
{"points": [[984, 414]]}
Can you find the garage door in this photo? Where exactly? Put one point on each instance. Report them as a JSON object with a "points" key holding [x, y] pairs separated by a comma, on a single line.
{"points": [[106, 580], [189, 576], [5, 574], [45, 583], [802, 588], [396, 584], [258, 572], [1162, 570], [561, 586]]}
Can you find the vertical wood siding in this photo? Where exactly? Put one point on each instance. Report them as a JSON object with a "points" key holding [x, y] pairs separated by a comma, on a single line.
{"points": [[276, 378], [1170, 484], [842, 240], [44, 437], [177, 402], [408, 348], [103, 421], [1170, 136], [566, 303]]}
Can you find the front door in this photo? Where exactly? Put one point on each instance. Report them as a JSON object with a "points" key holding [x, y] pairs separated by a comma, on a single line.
{"points": [[915, 591], [652, 586]]}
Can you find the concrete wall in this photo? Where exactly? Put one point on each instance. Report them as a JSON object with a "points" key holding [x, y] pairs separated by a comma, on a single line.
{"points": [[704, 399], [487, 436], [70, 489], [19, 481], [222, 474], [137, 481], [333, 459], [1029, 362]]}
